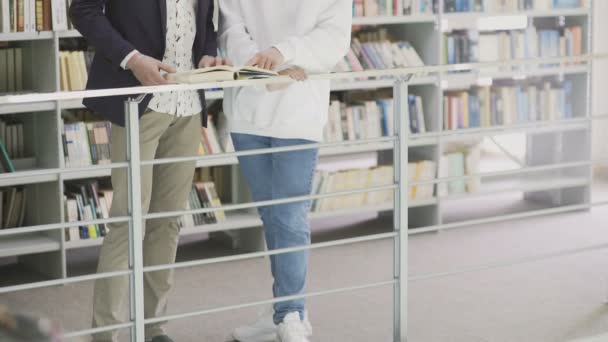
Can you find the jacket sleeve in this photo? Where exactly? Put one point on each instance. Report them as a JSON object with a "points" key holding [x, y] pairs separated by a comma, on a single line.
{"points": [[235, 41], [322, 48], [89, 19]]}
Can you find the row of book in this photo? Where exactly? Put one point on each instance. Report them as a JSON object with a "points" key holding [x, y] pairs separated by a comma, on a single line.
{"points": [[471, 46], [216, 137], [375, 50], [12, 207], [86, 143], [508, 105], [493, 6], [370, 119], [86, 202], [11, 65], [203, 195], [73, 69], [33, 15], [357, 179], [373, 8], [12, 137]]}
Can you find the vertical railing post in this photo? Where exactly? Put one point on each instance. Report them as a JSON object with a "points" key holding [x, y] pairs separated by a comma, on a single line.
{"points": [[400, 212], [136, 223]]}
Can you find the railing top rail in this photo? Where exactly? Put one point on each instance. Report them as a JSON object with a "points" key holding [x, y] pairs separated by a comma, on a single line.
{"points": [[393, 73]]}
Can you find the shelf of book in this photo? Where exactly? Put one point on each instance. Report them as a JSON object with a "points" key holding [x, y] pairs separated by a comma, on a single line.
{"points": [[27, 180], [68, 34], [379, 83], [28, 108], [27, 244], [553, 12], [466, 80], [25, 36], [394, 20]]}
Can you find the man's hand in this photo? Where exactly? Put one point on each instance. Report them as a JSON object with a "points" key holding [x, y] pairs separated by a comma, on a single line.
{"points": [[269, 59], [147, 70], [294, 72], [210, 61]]}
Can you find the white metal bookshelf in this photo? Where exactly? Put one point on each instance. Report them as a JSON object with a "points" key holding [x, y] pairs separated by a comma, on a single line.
{"points": [[47, 251]]}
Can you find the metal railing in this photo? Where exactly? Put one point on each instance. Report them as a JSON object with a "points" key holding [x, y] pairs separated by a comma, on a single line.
{"points": [[400, 187]]}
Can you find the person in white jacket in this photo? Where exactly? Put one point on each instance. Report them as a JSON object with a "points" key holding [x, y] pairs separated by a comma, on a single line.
{"points": [[296, 38]]}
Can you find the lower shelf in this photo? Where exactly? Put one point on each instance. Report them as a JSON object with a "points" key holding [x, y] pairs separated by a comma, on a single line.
{"points": [[27, 244]]}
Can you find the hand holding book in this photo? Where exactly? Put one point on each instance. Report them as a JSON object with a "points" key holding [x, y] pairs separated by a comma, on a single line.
{"points": [[269, 59], [293, 72]]}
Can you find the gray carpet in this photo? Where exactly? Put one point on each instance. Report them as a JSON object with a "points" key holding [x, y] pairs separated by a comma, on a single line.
{"points": [[554, 300]]}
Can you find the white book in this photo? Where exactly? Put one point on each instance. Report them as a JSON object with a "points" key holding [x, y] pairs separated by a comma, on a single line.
{"points": [[71, 212], [213, 137], [5, 17], [420, 115], [412, 56], [59, 14]]}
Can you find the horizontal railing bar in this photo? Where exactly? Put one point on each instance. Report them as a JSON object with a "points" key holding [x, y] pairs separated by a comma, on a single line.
{"points": [[268, 150], [57, 226], [494, 174], [507, 217], [92, 331], [250, 205], [41, 97], [506, 129], [58, 171], [64, 281], [268, 302], [253, 255], [510, 263]]}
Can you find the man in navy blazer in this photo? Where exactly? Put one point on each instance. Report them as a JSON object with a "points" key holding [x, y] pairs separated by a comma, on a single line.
{"points": [[136, 41]]}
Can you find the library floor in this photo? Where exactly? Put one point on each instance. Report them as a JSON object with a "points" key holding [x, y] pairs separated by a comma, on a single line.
{"points": [[561, 299]]}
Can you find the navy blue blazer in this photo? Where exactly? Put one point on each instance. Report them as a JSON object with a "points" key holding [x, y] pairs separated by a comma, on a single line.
{"points": [[117, 27]]}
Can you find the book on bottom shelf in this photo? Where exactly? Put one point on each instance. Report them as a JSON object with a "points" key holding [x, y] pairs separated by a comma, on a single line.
{"points": [[357, 179], [84, 201], [203, 195]]}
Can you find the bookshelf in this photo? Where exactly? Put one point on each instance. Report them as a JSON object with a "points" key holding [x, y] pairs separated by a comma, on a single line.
{"points": [[547, 142]]}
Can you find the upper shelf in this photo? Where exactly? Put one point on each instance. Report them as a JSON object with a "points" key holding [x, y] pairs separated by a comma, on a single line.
{"points": [[394, 20]]}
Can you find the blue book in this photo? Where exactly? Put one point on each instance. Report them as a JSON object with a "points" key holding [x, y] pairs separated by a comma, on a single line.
{"points": [[566, 3], [414, 126], [383, 108], [568, 109]]}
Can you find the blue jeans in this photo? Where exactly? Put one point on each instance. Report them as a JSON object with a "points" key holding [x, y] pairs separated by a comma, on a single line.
{"points": [[276, 176]]}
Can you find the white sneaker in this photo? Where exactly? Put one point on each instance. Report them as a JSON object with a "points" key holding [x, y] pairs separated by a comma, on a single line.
{"points": [[293, 329], [263, 330]]}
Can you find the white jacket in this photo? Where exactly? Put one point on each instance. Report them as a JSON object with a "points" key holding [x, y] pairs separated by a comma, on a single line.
{"points": [[311, 34]]}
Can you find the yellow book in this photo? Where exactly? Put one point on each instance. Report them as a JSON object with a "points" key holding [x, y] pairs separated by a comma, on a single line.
{"points": [[92, 232], [63, 68], [465, 109]]}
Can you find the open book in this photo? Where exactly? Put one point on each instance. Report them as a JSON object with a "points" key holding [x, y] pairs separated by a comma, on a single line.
{"points": [[220, 73]]}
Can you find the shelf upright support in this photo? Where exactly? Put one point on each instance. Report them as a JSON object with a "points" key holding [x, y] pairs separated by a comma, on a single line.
{"points": [[400, 212], [136, 233]]}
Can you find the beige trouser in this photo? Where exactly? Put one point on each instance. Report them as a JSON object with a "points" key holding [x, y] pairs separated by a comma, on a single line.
{"points": [[163, 188]]}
